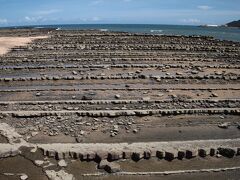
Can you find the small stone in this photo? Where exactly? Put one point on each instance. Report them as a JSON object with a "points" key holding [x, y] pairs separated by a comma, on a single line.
{"points": [[146, 98], [82, 132], [38, 94], [179, 73], [34, 134], [23, 177], [73, 97], [214, 95], [115, 128], [218, 73], [117, 96], [51, 134], [218, 155], [38, 162], [74, 73], [112, 134], [135, 131], [199, 68], [62, 163], [174, 96], [88, 124], [194, 72], [223, 125], [120, 123], [94, 128], [79, 140]]}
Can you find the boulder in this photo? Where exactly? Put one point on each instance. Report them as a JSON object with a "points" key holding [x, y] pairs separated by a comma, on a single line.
{"points": [[114, 156], [60, 175], [191, 154], [127, 155], [160, 154], [169, 156], [202, 152], [110, 167], [147, 154], [212, 152], [181, 155], [227, 152], [136, 156]]}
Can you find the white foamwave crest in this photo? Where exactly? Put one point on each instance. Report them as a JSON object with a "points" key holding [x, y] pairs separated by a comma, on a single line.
{"points": [[156, 31], [104, 30], [38, 27]]}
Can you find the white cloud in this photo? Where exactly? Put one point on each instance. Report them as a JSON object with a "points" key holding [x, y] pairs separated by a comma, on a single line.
{"points": [[191, 21], [47, 12], [40, 16], [127, 0], [96, 19], [34, 19], [204, 7], [3, 21]]}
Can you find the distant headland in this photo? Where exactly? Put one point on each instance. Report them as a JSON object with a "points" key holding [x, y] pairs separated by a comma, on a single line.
{"points": [[234, 24], [230, 24]]}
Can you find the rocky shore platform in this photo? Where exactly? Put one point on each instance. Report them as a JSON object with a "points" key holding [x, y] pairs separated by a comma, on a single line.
{"points": [[88, 104]]}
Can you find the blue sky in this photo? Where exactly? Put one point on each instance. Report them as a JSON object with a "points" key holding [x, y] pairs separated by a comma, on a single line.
{"points": [[189, 12]]}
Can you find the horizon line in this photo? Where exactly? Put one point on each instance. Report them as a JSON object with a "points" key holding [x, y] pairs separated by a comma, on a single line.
{"points": [[34, 25]]}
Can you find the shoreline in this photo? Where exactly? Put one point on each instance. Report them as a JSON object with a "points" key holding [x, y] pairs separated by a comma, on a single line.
{"points": [[154, 29]]}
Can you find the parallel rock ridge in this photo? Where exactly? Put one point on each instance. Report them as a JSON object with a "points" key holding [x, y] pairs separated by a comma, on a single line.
{"points": [[137, 151], [109, 98]]}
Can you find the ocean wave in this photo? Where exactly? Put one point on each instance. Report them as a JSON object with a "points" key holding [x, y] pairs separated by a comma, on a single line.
{"points": [[103, 30], [38, 27], [156, 31]]}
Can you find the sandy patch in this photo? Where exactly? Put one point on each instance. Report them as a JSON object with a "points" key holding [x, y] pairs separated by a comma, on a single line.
{"points": [[6, 43]]}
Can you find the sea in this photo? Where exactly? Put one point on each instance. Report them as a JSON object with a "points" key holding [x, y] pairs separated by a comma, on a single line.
{"points": [[222, 33]]}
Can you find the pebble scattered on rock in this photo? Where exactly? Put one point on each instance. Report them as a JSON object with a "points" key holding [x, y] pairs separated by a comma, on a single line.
{"points": [[24, 177], [117, 96], [62, 163], [223, 125], [38, 162]]}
